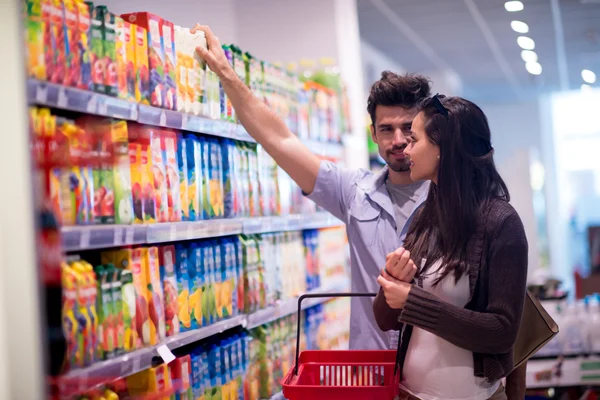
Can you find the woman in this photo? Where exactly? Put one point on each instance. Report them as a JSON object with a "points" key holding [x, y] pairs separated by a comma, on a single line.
{"points": [[460, 316]]}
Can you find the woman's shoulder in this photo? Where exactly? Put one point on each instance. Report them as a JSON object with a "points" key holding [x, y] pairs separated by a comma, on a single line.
{"points": [[501, 215]]}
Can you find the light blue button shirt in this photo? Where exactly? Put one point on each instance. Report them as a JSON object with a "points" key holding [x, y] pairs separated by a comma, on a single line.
{"points": [[360, 199]]}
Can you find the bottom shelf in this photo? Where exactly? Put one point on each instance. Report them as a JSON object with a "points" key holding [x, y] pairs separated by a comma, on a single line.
{"points": [[548, 373]]}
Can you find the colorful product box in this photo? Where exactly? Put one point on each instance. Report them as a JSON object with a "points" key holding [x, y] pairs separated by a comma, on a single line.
{"points": [[106, 328], [72, 49], [72, 328], [183, 177], [159, 176], [169, 148], [154, 294], [111, 77], [183, 286], [46, 8], [121, 55], [198, 295], [36, 66], [156, 55], [58, 42], [129, 311], [169, 280], [152, 380], [84, 15], [142, 178], [181, 378], [135, 164], [119, 326], [128, 33], [170, 72], [183, 100], [142, 80], [194, 181], [97, 50], [123, 202]]}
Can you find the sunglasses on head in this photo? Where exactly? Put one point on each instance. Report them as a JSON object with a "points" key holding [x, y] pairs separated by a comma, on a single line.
{"points": [[435, 102]]}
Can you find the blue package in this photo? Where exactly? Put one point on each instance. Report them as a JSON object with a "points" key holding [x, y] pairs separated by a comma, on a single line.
{"points": [[229, 191], [195, 182], [183, 177], [194, 261], [183, 288]]}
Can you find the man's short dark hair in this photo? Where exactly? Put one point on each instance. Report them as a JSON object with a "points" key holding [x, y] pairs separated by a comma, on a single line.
{"points": [[406, 91]]}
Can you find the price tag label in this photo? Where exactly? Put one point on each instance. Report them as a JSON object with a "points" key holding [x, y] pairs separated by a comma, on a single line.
{"points": [[63, 100], [92, 105], [165, 353], [41, 94], [129, 232], [118, 237], [162, 119], [173, 233], [84, 239], [102, 108]]}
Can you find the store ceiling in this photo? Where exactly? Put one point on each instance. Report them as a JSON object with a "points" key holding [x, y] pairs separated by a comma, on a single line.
{"points": [[474, 39]]}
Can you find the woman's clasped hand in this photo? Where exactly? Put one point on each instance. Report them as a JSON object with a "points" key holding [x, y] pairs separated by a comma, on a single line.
{"points": [[395, 279]]}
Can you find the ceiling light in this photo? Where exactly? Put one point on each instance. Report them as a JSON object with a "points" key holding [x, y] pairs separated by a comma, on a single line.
{"points": [[588, 76], [585, 87], [534, 68], [513, 6], [519, 26], [529, 56], [526, 43]]}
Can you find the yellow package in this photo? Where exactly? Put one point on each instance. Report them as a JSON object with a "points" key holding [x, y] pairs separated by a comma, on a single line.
{"points": [[36, 66], [151, 381], [71, 318], [83, 286]]}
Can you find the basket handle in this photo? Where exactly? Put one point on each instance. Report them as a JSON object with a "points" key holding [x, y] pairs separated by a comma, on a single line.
{"points": [[313, 296]]}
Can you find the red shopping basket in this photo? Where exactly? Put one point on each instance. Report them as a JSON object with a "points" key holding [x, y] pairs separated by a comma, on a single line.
{"points": [[341, 375]]}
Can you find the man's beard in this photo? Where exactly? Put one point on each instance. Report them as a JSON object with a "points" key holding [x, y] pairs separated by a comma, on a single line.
{"points": [[403, 166]]}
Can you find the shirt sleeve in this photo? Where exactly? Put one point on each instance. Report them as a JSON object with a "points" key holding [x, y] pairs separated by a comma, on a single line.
{"points": [[334, 189], [495, 330]]}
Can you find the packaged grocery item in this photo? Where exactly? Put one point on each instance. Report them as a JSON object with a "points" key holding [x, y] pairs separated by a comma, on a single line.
{"points": [[90, 297], [170, 88], [117, 296], [227, 110], [183, 286], [154, 294], [124, 72], [150, 381], [72, 50], [49, 61], [142, 179], [97, 56], [239, 271], [183, 101], [130, 67], [123, 201], [131, 260], [181, 371], [84, 19], [195, 178], [156, 56], [59, 42], [169, 281], [183, 177], [169, 148], [198, 303], [228, 276], [211, 283], [36, 66], [135, 164], [104, 308], [216, 178], [230, 201], [111, 76], [159, 175], [72, 320], [219, 282], [130, 340], [142, 79], [214, 371], [197, 82]]}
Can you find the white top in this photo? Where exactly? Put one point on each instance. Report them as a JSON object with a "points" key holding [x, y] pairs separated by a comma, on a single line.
{"points": [[437, 369]]}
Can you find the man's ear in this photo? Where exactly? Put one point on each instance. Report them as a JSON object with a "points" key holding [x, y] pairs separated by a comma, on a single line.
{"points": [[373, 134]]}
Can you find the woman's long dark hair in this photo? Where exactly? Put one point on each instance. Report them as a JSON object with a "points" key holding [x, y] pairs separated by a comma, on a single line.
{"points": [[467, 181]]}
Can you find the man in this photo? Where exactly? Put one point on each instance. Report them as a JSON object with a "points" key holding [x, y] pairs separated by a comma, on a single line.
{"points": [[375, 207]]}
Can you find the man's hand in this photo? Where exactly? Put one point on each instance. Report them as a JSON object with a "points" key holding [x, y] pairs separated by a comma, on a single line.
{"points": [[395, 291], [214, 56], [399, 265]]}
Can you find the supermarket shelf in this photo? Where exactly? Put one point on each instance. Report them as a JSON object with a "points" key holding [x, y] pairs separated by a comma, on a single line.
{"points": [[580, 371], [102, 236], [83, 101], [289, 223], [77, 238], [84, 379]]}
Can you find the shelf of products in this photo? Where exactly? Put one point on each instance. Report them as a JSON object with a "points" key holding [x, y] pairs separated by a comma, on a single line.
{"points": [[103, 372], [568, 372], [79, 238]]}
